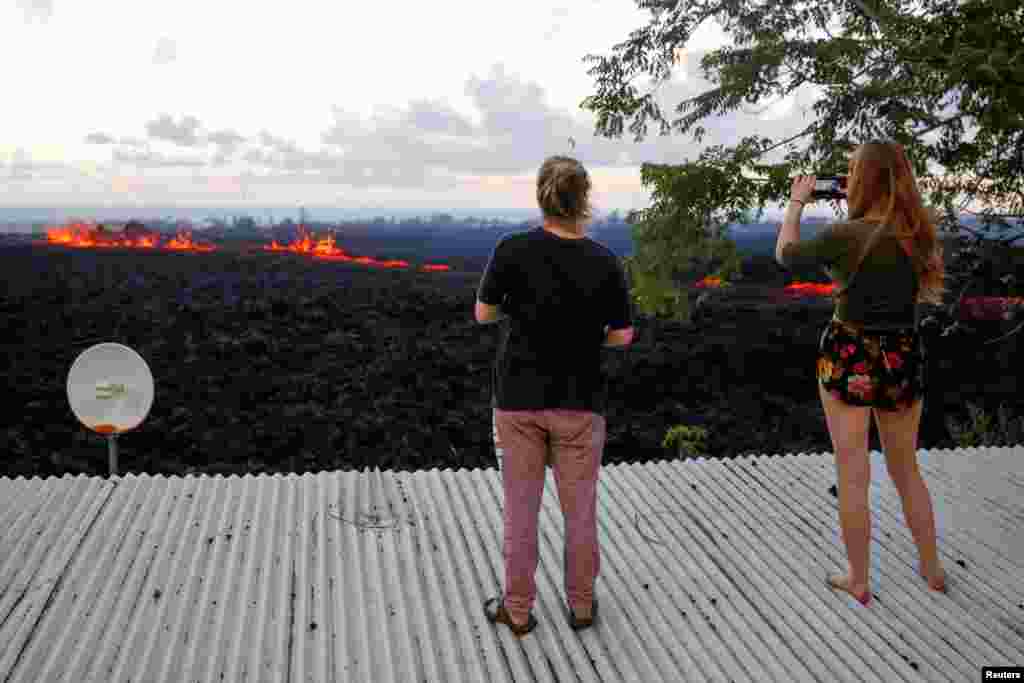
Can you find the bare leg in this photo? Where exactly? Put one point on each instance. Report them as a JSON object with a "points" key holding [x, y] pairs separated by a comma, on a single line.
{"points": [[855, 521], [917, 510]]}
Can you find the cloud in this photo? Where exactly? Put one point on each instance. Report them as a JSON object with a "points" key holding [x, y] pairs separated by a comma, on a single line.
{"points": [[149, 159], [508, 105], [276, 143], [227, 139], [166, 51], [437, 117], [428, 142], [37, 9], [23, 167], [285, 155], [183, 134], [347, 129], [227, 142], [20, 166], [99, 139], [257, 157], [431, 143], [427, 145]]}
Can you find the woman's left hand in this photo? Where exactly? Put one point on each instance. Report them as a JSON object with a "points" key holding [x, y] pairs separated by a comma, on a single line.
{"points": [[803, 187]]}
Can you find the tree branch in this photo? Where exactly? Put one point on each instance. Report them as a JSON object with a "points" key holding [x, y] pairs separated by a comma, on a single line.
{"points": [[1007, 335], [871, 14], [941, 124], [809, 129]]}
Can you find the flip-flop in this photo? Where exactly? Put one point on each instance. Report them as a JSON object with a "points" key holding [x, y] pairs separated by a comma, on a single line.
{"points": [[579, 624], [496, 613], [863, 599]]}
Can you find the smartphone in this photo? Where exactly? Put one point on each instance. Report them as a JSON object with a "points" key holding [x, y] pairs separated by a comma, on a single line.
{"points": [[829, 187]]}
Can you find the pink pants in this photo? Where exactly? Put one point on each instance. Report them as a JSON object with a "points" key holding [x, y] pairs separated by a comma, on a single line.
{"points": [[571, 441]]}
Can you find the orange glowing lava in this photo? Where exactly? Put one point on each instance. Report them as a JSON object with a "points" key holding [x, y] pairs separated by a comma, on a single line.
{"points": [[810, 288], [325, 249], [183, 242], [796, 288], [975, 307], [96, 237], [710, 281]]}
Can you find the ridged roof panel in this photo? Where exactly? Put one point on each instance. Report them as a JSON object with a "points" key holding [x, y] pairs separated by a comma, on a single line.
{"points": [[710, 571]]}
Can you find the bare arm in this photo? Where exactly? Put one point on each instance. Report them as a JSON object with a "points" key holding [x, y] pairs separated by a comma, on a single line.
{"points": [[790, 231], [617, 338]]}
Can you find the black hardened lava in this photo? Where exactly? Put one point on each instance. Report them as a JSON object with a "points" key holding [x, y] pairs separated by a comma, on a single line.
{"points": [[277, 362]]}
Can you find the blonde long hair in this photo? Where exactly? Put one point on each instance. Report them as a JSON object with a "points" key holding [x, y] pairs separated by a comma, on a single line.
{"points": [[882, 183], [563, 190]]}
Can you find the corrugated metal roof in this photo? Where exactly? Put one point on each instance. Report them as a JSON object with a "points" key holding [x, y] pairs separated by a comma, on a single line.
{"points": [[711, 571]]}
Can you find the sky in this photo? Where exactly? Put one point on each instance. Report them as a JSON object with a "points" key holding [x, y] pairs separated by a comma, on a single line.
{"points": [[452, 104]]}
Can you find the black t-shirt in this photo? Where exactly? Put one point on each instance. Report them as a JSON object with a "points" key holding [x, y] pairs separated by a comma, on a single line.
{"points": [[559, 294]]}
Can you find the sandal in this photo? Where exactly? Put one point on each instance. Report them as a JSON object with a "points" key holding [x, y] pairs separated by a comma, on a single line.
{"points": [[496, 613], [942, 585], [833, 582], [579, 624]]}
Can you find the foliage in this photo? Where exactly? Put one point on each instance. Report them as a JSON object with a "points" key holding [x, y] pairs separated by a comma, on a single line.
{"points": [[980, 430], [894, 71], [686, 440]]}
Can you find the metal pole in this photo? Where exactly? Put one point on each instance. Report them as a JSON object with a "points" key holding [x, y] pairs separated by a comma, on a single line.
{"points": [[112, 448]]}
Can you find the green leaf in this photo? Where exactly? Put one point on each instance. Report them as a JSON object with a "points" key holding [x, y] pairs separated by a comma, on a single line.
{"points": [[988, 72], [943, 57]]}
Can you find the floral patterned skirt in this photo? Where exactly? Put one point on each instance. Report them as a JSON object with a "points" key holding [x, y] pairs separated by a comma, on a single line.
{"points": [[879, 368]]}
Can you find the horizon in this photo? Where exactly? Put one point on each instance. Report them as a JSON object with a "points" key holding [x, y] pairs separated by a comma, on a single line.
{"points": [[28, 216], [757, 229]]}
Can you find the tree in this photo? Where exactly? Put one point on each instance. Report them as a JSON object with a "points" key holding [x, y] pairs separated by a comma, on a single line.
{"points": [[897, 69], [245, 223]]}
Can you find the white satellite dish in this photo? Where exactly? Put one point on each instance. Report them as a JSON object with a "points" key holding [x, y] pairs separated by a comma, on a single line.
{"points": [[110, 389]]}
